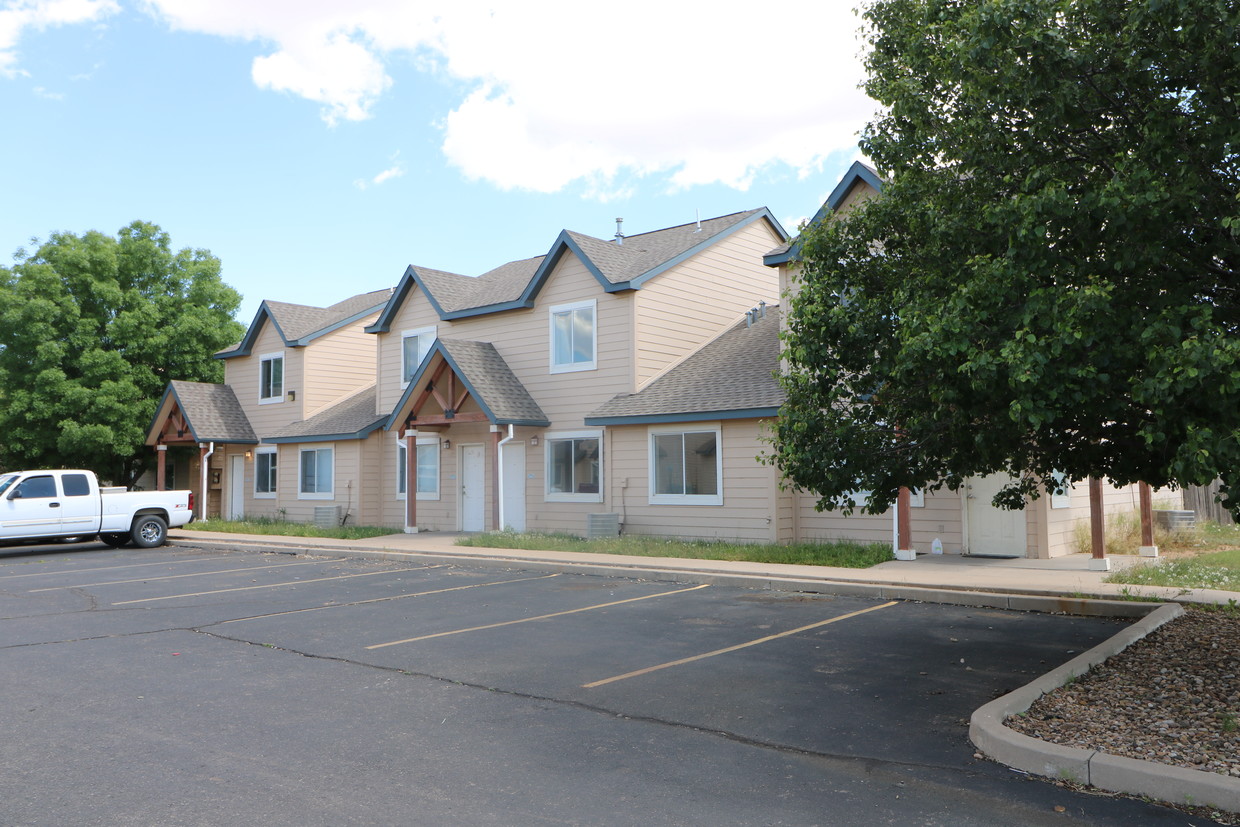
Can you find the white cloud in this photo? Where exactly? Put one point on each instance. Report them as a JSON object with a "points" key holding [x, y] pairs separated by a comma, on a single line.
{"points": [[16, 16], [561, 92], [394, 171]]}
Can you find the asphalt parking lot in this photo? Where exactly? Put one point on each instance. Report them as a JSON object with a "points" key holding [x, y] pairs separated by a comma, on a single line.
{"points": [[176, 686]]}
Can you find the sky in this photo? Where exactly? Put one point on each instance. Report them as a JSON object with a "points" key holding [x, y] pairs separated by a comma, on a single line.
{"points": [[318, 147]]}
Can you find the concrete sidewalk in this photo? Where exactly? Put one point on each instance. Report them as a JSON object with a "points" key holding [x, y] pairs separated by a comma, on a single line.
{"points": [[1062, 578], [1064, 584]]}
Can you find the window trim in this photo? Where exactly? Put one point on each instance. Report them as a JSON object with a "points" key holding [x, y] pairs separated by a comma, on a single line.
{"points": [[572, 367], [433, 330], [561, 497], [276, 398], [420, 495], [1063, 500], [274, 492], [330, 494], [656, 498]]}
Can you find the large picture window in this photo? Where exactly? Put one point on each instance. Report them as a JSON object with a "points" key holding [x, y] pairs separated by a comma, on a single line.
{"points": [[573, 337], [414, 345], [271, 378], [685, 468], [575, 466], [315, 473], [427, 468], [265, 472]]}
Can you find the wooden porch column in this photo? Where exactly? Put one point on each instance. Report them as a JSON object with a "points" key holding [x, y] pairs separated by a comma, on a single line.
{"points": [[496, 436], [411, 481], [1148, 549], [904, 533], [1097, 528], [161, 468]]}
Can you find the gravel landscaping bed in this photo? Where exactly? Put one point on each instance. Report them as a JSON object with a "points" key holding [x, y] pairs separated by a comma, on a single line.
{"points": [[1171, 697]]}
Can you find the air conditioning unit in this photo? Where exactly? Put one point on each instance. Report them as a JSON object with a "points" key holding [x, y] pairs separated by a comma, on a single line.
{"points": [[600, 526], [326, 516]]}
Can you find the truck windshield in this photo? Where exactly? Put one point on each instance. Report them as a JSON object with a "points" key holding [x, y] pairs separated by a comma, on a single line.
{"points": [[5, 481]]}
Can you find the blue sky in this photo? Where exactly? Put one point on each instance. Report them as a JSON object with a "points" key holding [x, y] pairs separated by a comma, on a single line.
{"points": [[318, 147]]}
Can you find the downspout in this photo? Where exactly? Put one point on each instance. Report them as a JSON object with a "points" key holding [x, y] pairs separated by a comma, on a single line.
{"points": [[499, 446], [205, 457]]}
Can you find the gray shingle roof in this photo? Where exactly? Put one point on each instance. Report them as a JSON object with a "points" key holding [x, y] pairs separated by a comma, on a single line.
{"points": [[455, 292], [299, 321], [733, 375], [351, 418], [213, 412], [495, 387]]}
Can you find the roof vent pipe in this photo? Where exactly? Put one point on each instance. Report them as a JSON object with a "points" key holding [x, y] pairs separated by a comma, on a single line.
{"points": [[619, 232], [762, 309], [698, 216]]}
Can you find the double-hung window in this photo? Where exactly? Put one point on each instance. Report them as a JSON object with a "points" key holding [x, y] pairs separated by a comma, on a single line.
{"points": [[271, 378], [265, 472], [575, 466], [574, 338], [427, 470], [414, 345], [685, 467], [315, 473]]}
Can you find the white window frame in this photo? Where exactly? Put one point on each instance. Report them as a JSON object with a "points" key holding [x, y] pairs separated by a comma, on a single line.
{"points": [[563, 497], [301, 458], [275, 398], [653, 458], [1063, 500], [572, 367], [267, 450], [407, 370], [422, 442], [916, 498]]}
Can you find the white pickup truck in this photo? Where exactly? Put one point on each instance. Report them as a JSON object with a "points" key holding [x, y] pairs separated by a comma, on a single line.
{"points": [[37, 505]]}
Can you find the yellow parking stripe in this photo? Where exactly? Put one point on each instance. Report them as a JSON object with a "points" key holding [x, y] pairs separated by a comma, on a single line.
{"points": [[393, 597], [268, 586], [174, 576], [539, 617], [725, 650]]}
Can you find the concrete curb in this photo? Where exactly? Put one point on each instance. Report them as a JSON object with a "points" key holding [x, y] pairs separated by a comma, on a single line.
{"points": [[1017, 600], [1177, 785]]}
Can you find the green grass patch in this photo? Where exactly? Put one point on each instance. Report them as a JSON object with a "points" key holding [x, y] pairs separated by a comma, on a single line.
{"points": [[1217, 570], [841, 554], [269, 525]]}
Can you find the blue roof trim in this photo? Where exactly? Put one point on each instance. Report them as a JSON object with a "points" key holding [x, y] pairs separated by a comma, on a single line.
{"points": [[246, 346], [383, 324], [362, 434], [693, 416], [332, 328], [856, 173], [765, 212], [416, 380]]}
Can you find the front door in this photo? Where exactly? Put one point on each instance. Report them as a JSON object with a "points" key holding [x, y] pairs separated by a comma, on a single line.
{"points": [[513, 486], [992, 532], [235, 508], [473, 488]]}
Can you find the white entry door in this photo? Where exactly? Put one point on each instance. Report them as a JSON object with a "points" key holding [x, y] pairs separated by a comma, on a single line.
{"points": [[236, 489], [473, 488], [513, 486], [993, 531]]}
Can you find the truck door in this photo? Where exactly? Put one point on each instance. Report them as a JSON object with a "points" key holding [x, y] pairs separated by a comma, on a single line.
{"points": [[80, 507], [31, 508]]}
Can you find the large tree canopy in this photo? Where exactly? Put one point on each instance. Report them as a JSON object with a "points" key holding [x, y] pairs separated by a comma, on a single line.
{"points": [[92, 328], [1048, 282]]}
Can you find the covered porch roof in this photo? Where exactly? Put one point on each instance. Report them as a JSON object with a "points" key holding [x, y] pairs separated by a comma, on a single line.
{"points": [[199, 412]]}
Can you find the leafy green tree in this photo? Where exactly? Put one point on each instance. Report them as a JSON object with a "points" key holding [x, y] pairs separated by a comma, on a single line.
{"points": [[92, 328], [1049, 279]]}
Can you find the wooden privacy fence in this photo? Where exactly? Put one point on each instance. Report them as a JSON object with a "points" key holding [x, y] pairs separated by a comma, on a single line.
{"points": [[1200, 499]]}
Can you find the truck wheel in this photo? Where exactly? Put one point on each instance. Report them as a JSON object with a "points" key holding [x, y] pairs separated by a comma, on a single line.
{"points": [[114, 540], [149, 531]]}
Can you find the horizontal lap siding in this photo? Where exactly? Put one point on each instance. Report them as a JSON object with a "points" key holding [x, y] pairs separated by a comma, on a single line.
{"points": [[939, 518], [242, 373], [416, 312], [681, 309], [336, 365]]}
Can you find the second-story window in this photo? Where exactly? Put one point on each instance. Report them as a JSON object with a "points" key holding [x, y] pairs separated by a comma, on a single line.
{"points": [[414, 345], [574, 340], [271, 378]]}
